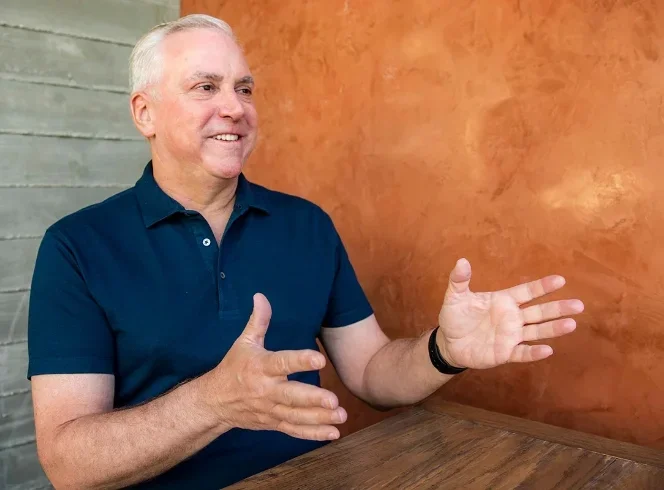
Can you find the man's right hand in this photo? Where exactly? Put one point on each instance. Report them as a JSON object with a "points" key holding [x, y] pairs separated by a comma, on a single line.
{"points": [[249, 388]]}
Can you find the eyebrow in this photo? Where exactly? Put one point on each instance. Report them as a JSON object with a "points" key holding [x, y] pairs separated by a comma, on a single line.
{"points": [[215, 77]]}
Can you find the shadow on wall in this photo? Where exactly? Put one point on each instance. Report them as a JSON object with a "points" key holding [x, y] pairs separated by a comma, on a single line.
{"points": [[525, 137]]}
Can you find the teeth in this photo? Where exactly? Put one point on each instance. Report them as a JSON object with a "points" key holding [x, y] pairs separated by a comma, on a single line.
{"points": [[227, 137]]}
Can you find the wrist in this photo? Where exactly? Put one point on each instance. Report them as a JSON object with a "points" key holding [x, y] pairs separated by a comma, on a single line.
{"points": [[439, 356], [206, 396]]}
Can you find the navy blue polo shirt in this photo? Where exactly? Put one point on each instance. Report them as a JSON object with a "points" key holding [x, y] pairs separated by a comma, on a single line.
{"points": [[136, 286]]}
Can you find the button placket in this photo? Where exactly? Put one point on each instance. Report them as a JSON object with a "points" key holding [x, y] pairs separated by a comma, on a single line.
{"points": [[227, 299], [202, 232]]}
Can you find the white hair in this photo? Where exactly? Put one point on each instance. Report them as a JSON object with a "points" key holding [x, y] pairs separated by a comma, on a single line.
{"points": [[145, 62]]}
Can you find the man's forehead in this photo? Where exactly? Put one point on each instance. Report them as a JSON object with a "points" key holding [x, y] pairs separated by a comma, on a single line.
{"points": [[196, 44], [204, 54]]}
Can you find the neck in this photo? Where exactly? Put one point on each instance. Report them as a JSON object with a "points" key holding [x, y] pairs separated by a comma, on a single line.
{"points": [[195, 189]]}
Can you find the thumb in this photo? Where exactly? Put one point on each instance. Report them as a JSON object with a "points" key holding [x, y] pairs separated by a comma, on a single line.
{"points": [[460, 277], [259, 320]]}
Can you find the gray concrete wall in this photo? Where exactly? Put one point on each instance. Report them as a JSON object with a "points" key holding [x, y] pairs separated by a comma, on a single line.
{"points": [[66, 141]]}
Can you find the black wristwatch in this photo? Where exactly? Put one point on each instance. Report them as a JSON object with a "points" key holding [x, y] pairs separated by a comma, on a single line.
{"points": [[437, 359]]}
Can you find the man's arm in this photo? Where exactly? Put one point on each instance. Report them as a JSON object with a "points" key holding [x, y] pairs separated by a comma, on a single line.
{"points": [[383, 373], [477, 330], [83, 444]]}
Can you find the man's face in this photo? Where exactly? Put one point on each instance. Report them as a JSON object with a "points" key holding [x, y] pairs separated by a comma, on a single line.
{"points": [[205, 114]]}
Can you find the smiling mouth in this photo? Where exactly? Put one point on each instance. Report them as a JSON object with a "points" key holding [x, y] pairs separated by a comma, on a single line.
{"points": [[226, 137]]}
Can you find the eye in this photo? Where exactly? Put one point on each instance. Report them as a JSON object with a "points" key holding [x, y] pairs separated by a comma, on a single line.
{"points": [[245, 90], [207, 87]]}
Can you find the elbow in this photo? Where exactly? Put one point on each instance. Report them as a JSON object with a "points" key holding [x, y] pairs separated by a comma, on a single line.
{"points": [[381, 405], [58, 467], [382, 401], [55, 468], [363, 392], [380, 408], [52, 468]]}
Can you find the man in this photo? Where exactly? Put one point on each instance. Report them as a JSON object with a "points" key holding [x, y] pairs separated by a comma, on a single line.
{"points": [[173, 327]]}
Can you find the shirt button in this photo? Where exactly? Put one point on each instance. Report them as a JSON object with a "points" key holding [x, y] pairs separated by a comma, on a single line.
{"points": [[206, 242], [222, 275]]}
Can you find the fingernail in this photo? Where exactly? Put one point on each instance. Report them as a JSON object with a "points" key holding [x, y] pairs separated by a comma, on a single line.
{"points": [[332, 435], [317, 363]]}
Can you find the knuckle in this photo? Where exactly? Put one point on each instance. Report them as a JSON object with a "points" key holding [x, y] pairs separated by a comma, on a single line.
{"points": [[256, 389], [289, 429], [275, 412], [279, 363], [263, 419], [287, 395], [284, 364], [294, 416]]}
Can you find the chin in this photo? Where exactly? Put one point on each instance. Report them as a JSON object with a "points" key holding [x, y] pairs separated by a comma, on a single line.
{"points": [[225, 169]]}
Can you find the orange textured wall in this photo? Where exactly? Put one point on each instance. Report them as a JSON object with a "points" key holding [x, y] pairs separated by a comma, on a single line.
{"points": [[525, 136]]}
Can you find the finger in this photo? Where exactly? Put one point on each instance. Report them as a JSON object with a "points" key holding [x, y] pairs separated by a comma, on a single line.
{"points": [[530, 353], [523, 293], [309, 416], [311, 432], [460, 277], [551, 310], [548, 330], [296, 394], [259, 320], [285, 362]]}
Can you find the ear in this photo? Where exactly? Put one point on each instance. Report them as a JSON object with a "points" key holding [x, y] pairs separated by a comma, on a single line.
{"points": [[143, 113]]}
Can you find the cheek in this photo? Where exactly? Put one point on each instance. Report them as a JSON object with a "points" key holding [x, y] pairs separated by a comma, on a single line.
{"points": [[251, 116], [181, 117]]}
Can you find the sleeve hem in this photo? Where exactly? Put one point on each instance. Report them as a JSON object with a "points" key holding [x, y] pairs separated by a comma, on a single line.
{"points": [[349, 317], [69, 365]]}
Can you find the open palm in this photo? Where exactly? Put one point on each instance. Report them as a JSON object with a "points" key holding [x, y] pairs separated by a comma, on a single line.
{"points": [[483, 330]]}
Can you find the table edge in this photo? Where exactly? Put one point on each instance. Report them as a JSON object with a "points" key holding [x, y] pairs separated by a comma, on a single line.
{"points": [[552, 433]]}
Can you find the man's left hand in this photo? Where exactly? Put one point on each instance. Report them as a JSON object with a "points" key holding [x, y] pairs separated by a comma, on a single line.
{"points": [[484, 330]]}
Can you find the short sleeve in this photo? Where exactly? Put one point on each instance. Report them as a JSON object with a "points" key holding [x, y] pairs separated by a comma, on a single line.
{"points": [[67, 330], [347, 303]]}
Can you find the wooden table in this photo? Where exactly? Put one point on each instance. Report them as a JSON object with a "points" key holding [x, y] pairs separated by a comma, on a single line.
{"points": [[443, 445]]}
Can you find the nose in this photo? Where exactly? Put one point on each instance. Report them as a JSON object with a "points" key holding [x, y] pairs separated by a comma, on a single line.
{"points": [[231, 106]]}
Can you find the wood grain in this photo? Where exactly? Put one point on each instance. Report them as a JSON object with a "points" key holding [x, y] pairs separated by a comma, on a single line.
{"points": [[422, 449], [627, 475], [560, 435]]}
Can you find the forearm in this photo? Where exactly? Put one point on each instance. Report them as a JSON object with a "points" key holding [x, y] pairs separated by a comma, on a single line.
{"points": [[401, 374], [119, 448]]}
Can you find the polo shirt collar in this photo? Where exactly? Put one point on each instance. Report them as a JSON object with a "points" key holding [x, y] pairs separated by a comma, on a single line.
{"points": [[156, 205]]}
